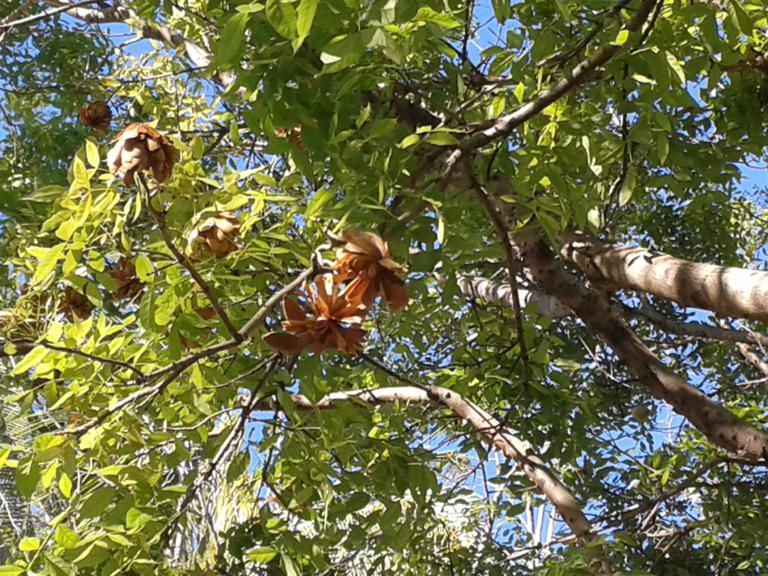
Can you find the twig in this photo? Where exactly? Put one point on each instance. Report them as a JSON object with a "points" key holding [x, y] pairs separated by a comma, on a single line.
{"points": [[42, 15], [101, 359], [182, 259], [512, 272]]}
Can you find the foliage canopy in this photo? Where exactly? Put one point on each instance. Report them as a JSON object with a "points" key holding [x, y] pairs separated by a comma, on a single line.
{"points": [[509, 419]]}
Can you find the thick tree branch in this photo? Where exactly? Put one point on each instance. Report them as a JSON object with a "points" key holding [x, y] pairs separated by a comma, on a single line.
{"points": [[726, 291], [715, 422], [486, 425], [493, 292]]}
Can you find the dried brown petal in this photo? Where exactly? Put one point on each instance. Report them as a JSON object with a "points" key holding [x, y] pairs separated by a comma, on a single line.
{"points": [[365, 262]]}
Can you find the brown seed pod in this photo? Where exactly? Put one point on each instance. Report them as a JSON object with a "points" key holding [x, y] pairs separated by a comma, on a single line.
{"points": [[140, 147], [96, 116], [216, 235], [74, 304], [127, 283]]}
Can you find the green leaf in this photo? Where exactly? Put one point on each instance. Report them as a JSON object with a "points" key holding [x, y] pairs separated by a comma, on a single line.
{"points": [[662, 147], [11, 571], [621, 38], [283, 18], [676, 67], [47, 260], [740, 18], [5, 453], [659, 68], [409, 141], [80, 172], [231, 39], [289, 566], [502, 10], [382, 127], [426, 14], [119, 539], [95, 503], [519, 92], [304, 19], [92, 154], [47, 194], [31, 360], [441, 139], [144, 268], [320, 199], [135, 519], [262, 555], [343, 51], [627, 187], [564, 10], [29, 544], [27, 477], [66, 537], [65, 485]]}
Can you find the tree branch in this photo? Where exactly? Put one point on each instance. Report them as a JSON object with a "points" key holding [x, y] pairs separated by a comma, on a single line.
{"points": [[726, 291], [715, 422], [486, 425], [182, 259], [494, 292], [42, 15], [503, 126]]}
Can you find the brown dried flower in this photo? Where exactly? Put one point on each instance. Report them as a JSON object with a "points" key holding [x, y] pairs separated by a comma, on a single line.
{"points": [[335, 324], [365, 262]]}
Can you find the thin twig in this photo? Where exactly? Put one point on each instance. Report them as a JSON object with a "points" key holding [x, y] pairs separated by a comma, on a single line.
{"points": [[46, 14], [94, 357], [182, 259]]}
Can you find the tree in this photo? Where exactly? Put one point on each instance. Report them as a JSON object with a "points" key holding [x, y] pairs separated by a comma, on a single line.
{"points": [[215, 213]]}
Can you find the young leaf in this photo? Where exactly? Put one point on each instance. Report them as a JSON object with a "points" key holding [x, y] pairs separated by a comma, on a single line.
{"points": [[262, 555], [627, 187], [283, 18], [231, 39], [306, 14]]}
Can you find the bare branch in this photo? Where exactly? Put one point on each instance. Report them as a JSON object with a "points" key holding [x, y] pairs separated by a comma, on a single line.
{"points": [[726, 291], [44, 15], [711, 419]]}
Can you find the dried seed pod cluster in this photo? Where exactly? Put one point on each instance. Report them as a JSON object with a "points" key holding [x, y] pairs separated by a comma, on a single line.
{"points": [[127, 284], [96, 116], [141, 147], [216, 235], [339, 302]]}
